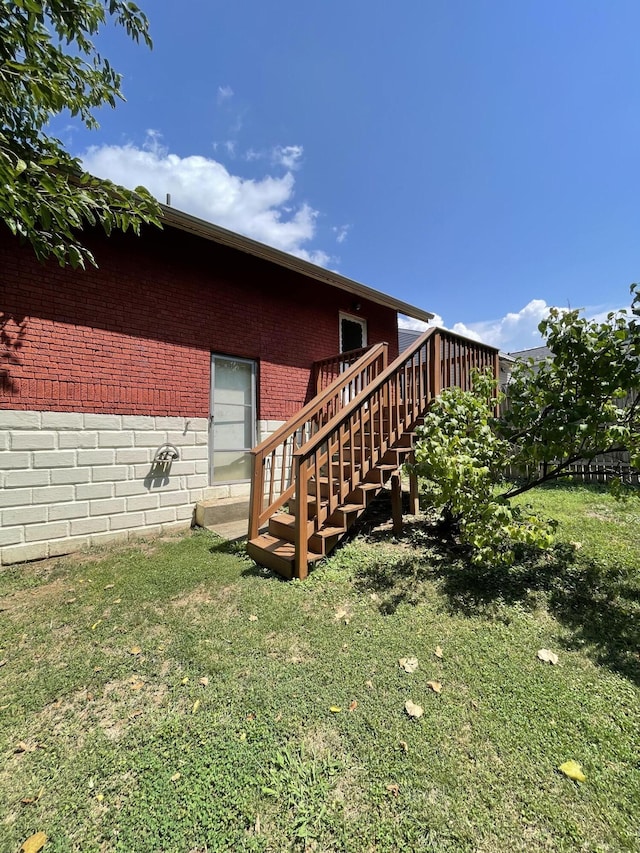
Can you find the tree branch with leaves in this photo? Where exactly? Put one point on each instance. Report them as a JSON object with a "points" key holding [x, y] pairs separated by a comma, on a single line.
{"points": [[49, 65], [580, 402]]}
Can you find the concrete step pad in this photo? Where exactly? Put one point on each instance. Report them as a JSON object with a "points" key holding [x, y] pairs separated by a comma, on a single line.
{"points": [[214, 512]]}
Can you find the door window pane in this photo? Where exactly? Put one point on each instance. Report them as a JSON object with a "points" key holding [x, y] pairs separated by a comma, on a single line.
{"points": [[232, 381], [233, 427], [232, 465]]}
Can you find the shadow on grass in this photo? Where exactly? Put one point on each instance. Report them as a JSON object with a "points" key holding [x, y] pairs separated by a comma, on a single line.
{"points": [[237, 547], [599, 603]]}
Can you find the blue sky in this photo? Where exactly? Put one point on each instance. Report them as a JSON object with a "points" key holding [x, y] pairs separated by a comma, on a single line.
{"points": [[477, 158]]}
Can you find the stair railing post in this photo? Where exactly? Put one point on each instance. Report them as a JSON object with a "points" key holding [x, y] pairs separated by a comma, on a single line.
{"points": [[301, 541], [256, 498], [496, 376], [436, 364]]}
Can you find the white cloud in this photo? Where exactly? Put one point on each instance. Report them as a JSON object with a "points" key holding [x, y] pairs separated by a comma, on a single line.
{"points": [[224, 94], [417, 325], [288, 156], [514, 331], [341, 232], [511, 332], [264, 209]]}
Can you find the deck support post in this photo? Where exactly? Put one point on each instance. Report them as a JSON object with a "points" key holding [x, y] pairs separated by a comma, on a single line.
{"points": [[414, 499], [396, 502], [301, 566]]}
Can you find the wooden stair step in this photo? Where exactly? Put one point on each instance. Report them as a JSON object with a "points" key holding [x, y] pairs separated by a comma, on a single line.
{"points": [[364, 493], [312, 510], [380, 473], [283, 526], [350, 508], [277, 554], [327, 484], [326, 539], [406, 440]]}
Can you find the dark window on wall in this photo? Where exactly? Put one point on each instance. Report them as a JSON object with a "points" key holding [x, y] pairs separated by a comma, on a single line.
{"points": [[353, 334]]}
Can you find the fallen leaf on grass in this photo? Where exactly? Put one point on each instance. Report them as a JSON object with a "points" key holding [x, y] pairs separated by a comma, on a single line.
{"points": [[99, 797], [369, 684], [435, 686], [95, 624], [393, 788], [185, 680], [175, 777], [135, 650], [404, 746], [335, 709], [195, 707], [438, 652], [413, 710], [547, 656], [408, 664], [34, 843], [110, 586], [573, 770], [204, 681], [353, 705], [29, 801], [71, 600], [117, 600], [253, 618], [97, 669]]}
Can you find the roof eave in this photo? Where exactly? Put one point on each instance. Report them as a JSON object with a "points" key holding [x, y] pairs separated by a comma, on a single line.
{"points": [[209, 231]]}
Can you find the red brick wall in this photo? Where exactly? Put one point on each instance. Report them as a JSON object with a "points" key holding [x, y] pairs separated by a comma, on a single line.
{"points": [[135, 336]]}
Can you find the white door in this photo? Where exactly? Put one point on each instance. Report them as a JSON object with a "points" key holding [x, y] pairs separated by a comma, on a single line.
{"points": [[232, 423]]}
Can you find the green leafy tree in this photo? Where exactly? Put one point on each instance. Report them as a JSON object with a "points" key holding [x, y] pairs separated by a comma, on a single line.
{"points": [[48, 65], [461, 459], [581, 402]]}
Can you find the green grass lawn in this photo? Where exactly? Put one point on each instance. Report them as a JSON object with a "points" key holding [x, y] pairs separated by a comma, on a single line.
{"points": [[175, 697]]}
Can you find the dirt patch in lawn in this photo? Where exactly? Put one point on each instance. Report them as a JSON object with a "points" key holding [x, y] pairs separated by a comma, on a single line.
{"points": [[35, 598]]}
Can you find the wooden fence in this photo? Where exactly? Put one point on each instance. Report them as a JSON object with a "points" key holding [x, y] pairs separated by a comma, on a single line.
{"points": [[601, 469]]}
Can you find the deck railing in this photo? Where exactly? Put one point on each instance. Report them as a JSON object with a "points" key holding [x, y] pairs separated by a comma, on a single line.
{"points": [[273, 480], [338, 457], [326, 370]]}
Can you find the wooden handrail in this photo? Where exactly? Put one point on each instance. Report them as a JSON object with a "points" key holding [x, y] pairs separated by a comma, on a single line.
{"points": [[278, 448], [403, 359]]}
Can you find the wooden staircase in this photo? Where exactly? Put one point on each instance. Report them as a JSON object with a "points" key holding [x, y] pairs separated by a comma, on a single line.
{"points": [[316, 475]]}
